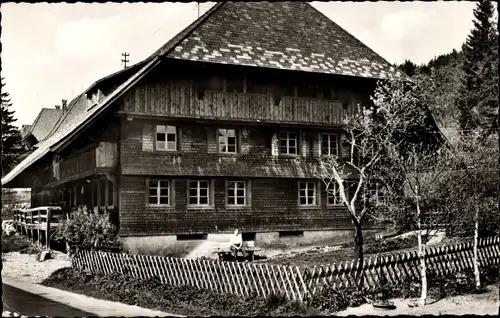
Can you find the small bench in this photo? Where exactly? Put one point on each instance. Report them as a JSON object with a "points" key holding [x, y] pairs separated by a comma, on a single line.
{"points": [[226, 254]]}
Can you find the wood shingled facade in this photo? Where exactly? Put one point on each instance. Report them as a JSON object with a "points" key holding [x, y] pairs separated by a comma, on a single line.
{"points": [[219, 129]]}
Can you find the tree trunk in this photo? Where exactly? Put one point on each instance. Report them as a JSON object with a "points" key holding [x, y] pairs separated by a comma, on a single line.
{"points": [[476, 238], [421, 256], [358, 251]]}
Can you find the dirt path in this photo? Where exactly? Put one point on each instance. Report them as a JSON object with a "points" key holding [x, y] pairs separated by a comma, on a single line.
{"points": [[25, 267], [477, 304]]}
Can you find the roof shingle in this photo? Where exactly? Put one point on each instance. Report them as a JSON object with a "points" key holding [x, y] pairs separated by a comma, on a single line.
{"points": [[282, 35]]}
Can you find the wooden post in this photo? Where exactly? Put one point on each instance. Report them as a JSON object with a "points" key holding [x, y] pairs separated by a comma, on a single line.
{"points": [[38, 229], [31, 225], [47, 233]]}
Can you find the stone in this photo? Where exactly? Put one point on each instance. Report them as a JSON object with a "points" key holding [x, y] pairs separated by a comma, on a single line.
{"points": [[43, 255]]}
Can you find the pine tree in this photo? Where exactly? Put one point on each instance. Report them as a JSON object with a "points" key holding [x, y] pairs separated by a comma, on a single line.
{"points": [[479, 55], [11, 136]]}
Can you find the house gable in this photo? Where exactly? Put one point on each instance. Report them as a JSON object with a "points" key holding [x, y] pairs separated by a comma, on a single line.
{"points": [[280, 35]]}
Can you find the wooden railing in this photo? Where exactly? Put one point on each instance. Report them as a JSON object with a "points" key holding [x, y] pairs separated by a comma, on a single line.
{"points": [[38, 222], [104, 156], [295, 283]]}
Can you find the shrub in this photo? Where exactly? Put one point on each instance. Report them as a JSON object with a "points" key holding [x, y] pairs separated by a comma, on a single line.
{"points": [[14, 243], [88, 230]]}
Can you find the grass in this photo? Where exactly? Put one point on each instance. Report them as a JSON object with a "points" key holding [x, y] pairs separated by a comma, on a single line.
{"points": [[182, 300]]}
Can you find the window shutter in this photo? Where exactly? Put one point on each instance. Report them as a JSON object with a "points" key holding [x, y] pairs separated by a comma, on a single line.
{"points": [[274, 145], [148, 138]]}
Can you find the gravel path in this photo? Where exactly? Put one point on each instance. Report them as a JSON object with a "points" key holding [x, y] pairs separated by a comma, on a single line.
{"points": [[25, 267], [477, 304]]}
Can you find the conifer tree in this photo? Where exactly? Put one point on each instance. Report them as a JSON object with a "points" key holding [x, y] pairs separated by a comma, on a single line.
{"points": [[11, 136], [479, 52]]}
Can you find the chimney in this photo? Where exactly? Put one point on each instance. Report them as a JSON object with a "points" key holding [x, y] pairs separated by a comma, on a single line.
{"points": [[64, 105], [57, 106]]}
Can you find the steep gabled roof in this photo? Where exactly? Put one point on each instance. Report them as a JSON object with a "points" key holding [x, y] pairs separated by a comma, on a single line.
{"points": [[43, 123], [78, 116], [281, 35], [25, 129]]}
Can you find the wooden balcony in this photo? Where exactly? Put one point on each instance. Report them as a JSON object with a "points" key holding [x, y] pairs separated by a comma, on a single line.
{"points": [[173, 99], [87, 162]]}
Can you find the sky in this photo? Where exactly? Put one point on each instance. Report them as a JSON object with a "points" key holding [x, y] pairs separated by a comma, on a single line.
{"points": [[66, 47]]}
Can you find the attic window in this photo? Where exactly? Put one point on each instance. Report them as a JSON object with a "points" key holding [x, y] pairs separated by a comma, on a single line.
{"points": [[92, 99]]}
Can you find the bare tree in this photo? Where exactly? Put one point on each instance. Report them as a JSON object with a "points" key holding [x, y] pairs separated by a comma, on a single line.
{"points": [[395, 114]]}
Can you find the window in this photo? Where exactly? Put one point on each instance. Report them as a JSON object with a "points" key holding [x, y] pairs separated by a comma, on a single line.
{"points": [[307, 193], [236, 193], [199, 192], [329, 145], [333, 195], [291, 233], [227, 140], [288, 143], [191, 237], [166, 137], [159, 192]]}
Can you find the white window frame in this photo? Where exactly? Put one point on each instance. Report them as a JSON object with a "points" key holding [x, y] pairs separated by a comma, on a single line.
{"points": [[288, 139], [245, 189], [336, 196], [306, 196], [329, 141], [167, 130], [198, 196], [158, 188], [225, 140]]}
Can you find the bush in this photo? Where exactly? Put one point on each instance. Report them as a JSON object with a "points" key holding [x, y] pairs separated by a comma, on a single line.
{"points": [[88, 230], [14, 243]]}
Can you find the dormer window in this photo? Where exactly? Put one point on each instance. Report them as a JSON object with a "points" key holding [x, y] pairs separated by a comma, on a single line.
{"points": [[93, 99]]}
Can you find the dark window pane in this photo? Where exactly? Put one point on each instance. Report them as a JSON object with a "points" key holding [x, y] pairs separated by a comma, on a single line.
{"points": [[231, 140], [203, 192], [152, 192], [240, 192], [193, 184], [240, 200], [163, 200], [193, 192], [231, 185], [160, 137], [302, 192], [231, 192], [164, 191], [153, 200], [171, 137], [203, 184], [203, 200], [153, 184], [231, 149], [193, 200], [303, 200], [230, 200], [310, 192], [310, 200]]}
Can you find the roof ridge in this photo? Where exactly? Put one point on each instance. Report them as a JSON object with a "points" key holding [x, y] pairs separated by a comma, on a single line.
{"points": [[184, 33]]}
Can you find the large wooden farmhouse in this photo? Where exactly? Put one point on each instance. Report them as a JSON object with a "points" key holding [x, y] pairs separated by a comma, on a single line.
{"points": [[218, 129]]}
